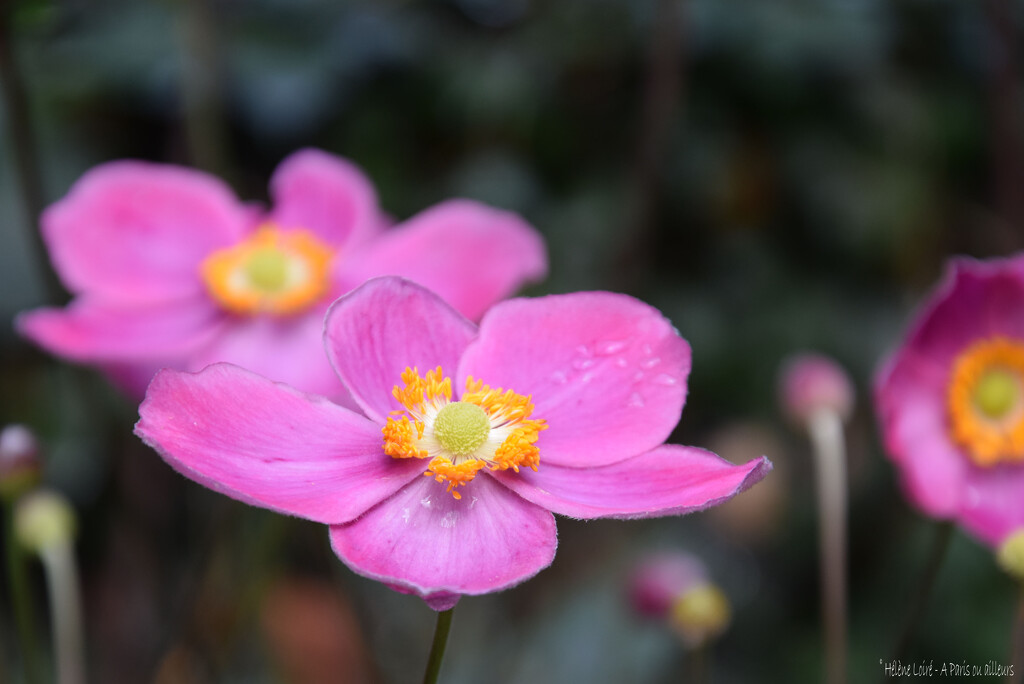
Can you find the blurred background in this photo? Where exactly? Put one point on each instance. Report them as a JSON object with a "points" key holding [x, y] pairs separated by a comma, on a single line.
{"points": [[774, 176]]}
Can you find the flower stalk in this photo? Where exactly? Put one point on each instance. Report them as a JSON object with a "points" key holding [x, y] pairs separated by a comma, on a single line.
{"points": [[444, 625], [943, 534], [826, 431]]}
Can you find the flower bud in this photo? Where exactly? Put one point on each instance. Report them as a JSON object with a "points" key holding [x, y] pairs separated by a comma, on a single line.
{"points": [[812, 382], [1010, 555], [701, 614], [44, 519], [660, 579], [19, 462]]}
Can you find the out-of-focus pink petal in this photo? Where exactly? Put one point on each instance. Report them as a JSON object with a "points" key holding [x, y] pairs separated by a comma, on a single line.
{"points": [[993, 503], [327, 195], [388, 324], [470, 254], [606, 371], [288, 350], [669, 480], [425, 541], [136, 232], [269, 445], [86, 331]]}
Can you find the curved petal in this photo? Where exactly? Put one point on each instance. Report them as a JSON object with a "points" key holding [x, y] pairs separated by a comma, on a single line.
{"points": [[606, 371], [284, 349], [269, 445], [133, 231], [87, 331], [327, 195], [388, 324], [669, 480], [992, 507], [424, 541], [470, 254]]}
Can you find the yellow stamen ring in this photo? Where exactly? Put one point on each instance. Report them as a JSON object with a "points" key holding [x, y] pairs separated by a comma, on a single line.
{"points": [[273, 271], [487, 427], [986, 401]]}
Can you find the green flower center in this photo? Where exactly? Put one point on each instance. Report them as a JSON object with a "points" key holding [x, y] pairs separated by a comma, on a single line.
{"points": [[267, 269], [461, 428], [996, 393]]}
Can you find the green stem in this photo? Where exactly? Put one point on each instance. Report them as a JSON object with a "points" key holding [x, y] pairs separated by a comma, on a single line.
{"points": [[444, 625], [943, 534], [21, 600], [1017, 643]]}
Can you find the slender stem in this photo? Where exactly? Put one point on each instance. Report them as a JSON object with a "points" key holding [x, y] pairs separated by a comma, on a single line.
{"points": [[21, 600], [940, 546], [699, 668], [65, 611], [1017, 643], [21, 139], [444, 625], [826, 430], [202, 103]]}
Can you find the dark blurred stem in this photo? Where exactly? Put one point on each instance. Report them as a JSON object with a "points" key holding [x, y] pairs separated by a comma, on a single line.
{"points": [[1017, 643], [1005, 114], [23, 150], [826, 431], [699, 658], [943, 534], [444, 625], [201, 88], [663, 90], [21, 600]]}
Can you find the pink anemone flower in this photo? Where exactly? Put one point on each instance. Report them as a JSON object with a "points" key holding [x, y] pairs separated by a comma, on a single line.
{"points": [[951, 401], [559, 404], [168, 268]]}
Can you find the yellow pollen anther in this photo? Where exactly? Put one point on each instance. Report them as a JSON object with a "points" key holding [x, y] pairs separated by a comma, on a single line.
{"points": [[986, 401], [487, 428], [273, 271]]}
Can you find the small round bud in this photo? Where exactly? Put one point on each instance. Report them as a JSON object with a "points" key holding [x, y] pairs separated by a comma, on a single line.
{"points": [[1010, 555], [811, 382], [19, 462], [44, 519], [701, 614], [660, 579]]}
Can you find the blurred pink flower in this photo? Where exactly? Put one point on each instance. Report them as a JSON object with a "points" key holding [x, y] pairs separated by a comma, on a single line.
{"points": [[582, 391], [659, 579], [951, 400], [168, 268]]}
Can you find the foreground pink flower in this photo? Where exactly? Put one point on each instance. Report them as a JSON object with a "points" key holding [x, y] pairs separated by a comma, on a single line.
{"points": [[168, 268], [951, 401], [558, 404]]}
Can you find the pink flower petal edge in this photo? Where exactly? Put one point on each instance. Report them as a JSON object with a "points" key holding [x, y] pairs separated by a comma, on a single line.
{"points": [[269, 445], [424, 541], [669, 480]]}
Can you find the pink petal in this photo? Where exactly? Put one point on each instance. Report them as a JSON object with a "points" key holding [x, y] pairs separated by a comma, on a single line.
{"points": [[992, 505], [606, 371], [388, 324], [269, 445], [87, 331], [424, 541], [327, 195], [669, 480], [470, 254], [285, 349], [134, 232]]}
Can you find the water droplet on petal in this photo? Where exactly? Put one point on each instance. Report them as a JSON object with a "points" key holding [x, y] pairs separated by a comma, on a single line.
{"points": [[610, 347], [583, 364], [664, 379], [586, 377], [647, 350], [449, 519], [405, 515], [425, 502], [621, 362], [650, 363], [635, 400], [559, 377], [584, 350]]}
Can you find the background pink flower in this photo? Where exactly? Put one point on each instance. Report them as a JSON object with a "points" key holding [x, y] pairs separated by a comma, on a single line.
{"points": [[951, 400], [604, 373], [168, 268]]}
